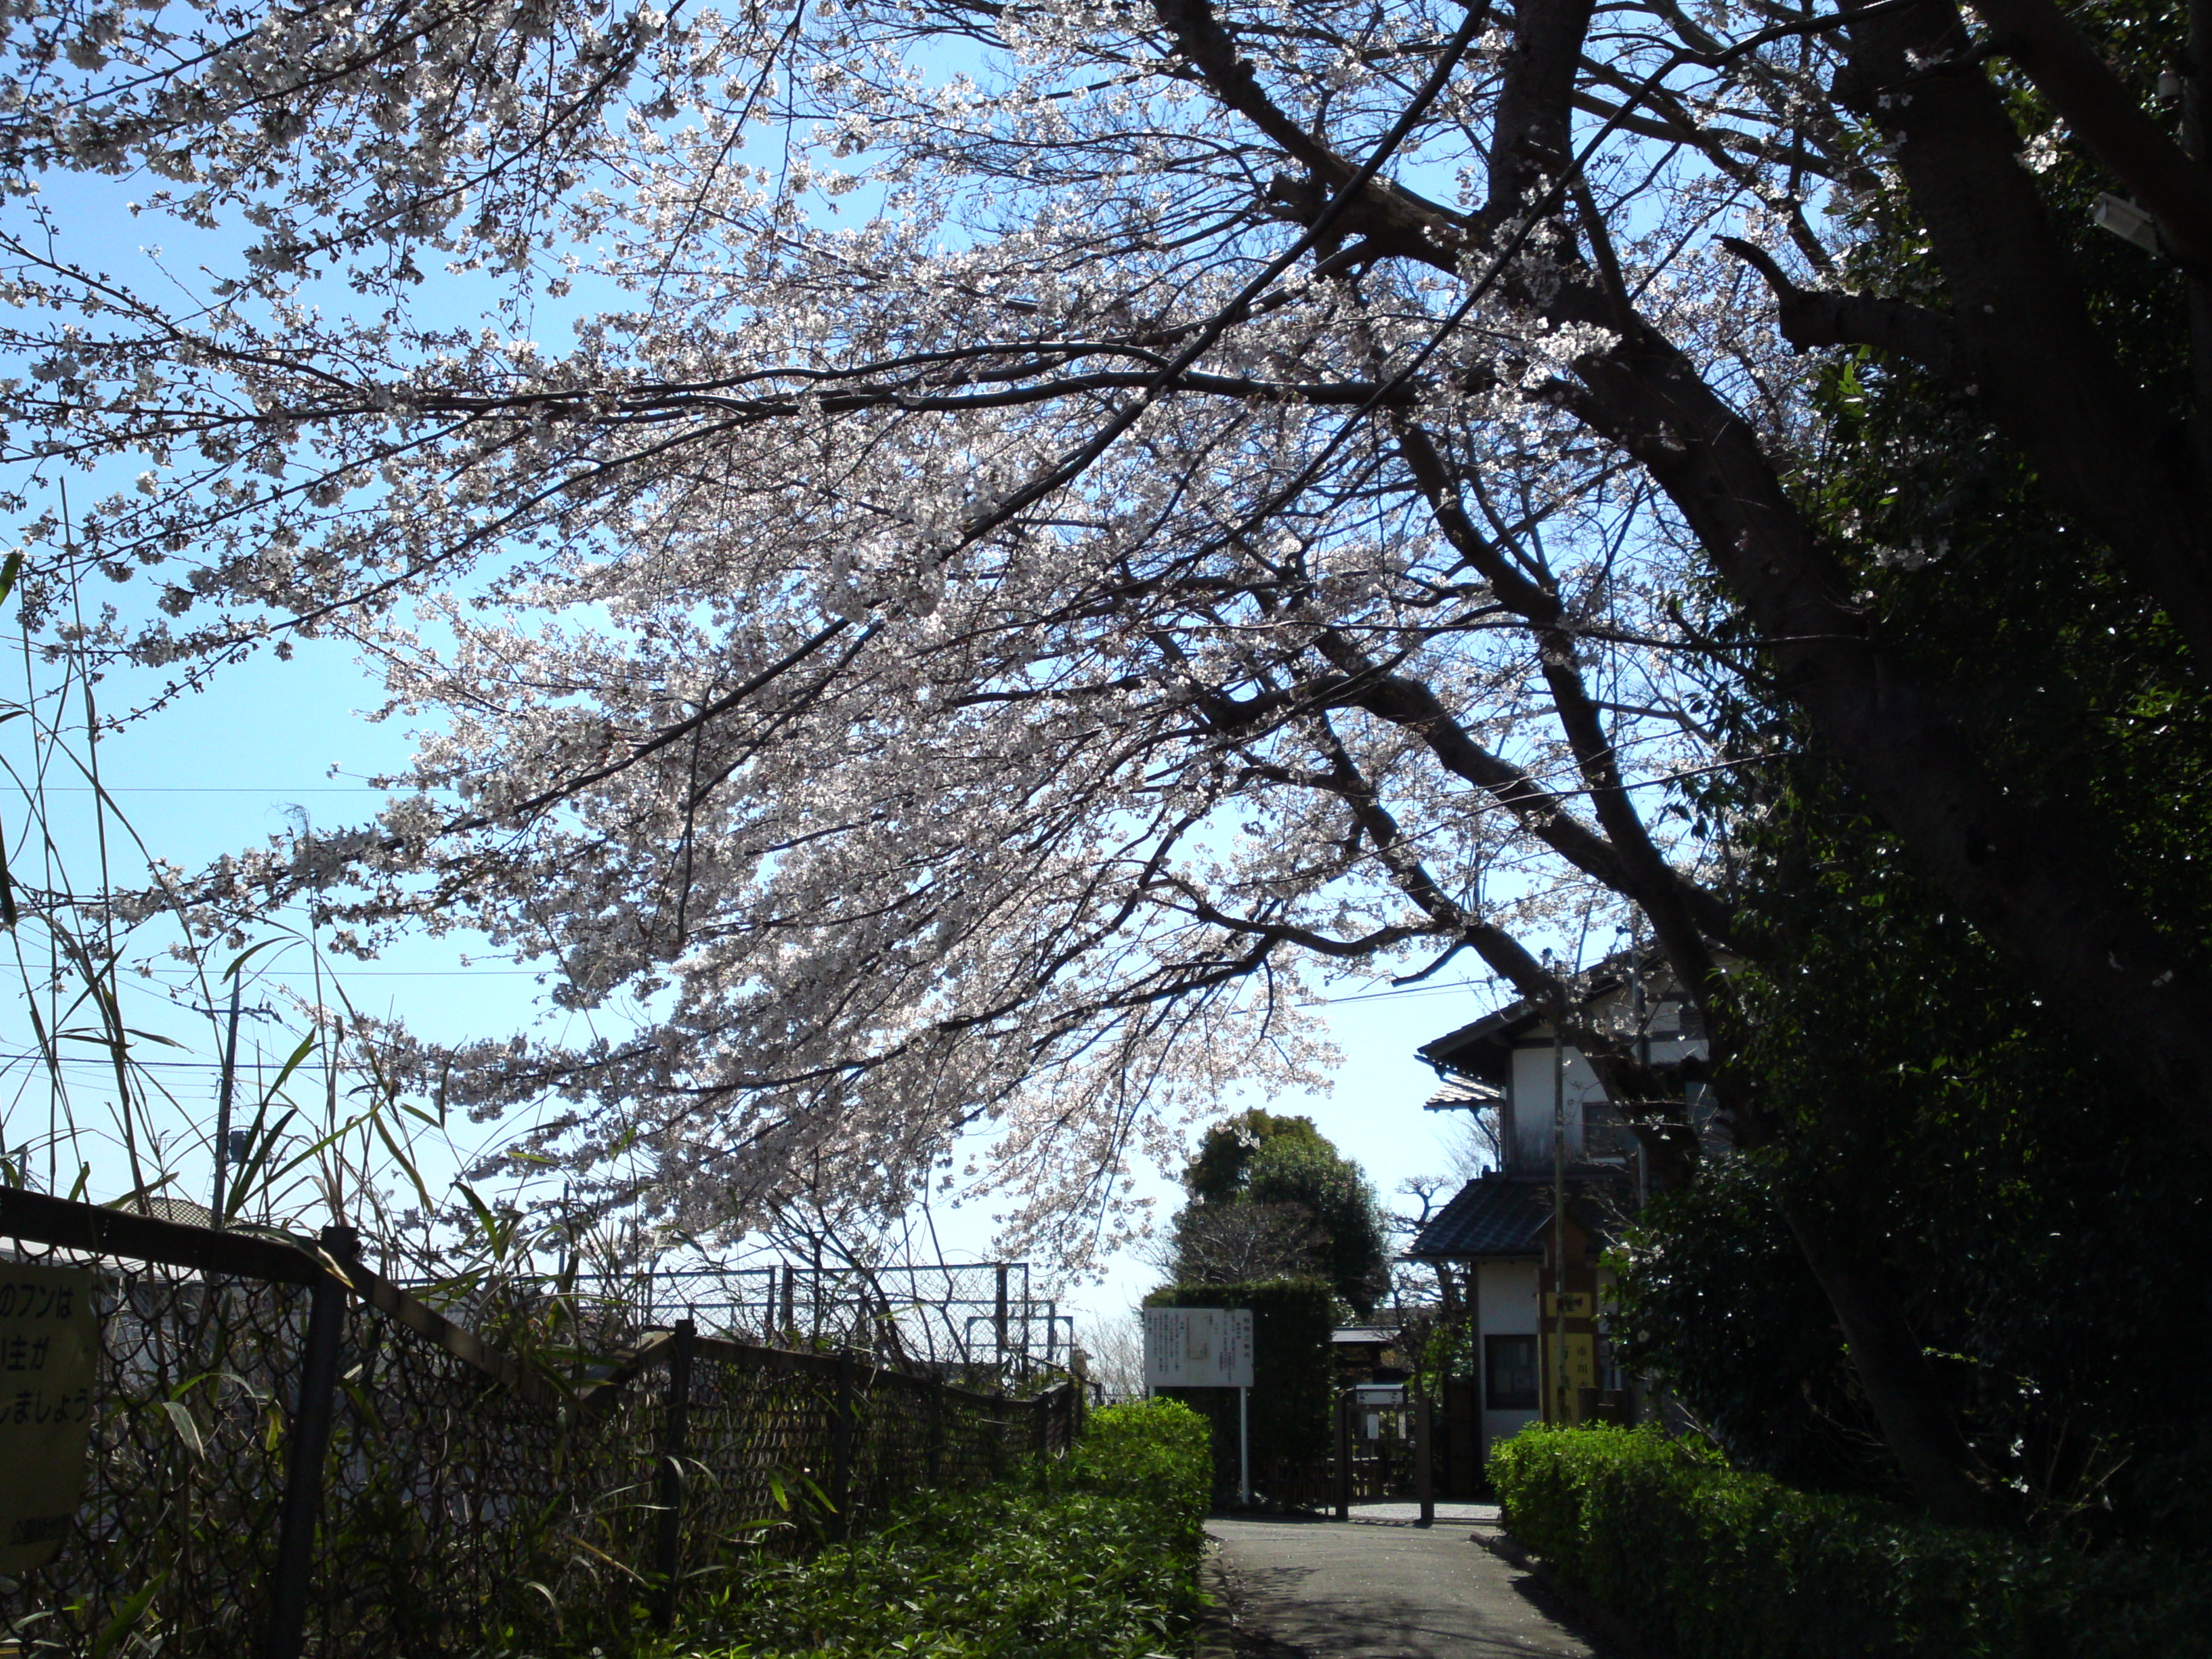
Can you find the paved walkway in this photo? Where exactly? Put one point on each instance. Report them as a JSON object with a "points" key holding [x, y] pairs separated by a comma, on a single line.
{"points": [[1381, 1588]]}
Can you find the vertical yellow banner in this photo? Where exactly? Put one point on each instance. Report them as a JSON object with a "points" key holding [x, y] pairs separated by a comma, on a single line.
{"points": [[1581, 1373], [48, 1342]]}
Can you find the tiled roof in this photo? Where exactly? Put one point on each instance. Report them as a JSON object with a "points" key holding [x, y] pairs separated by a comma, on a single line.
{"points": [[1363, 1333], [1462, 1094], [1490, 1215], [1495, 1215]]}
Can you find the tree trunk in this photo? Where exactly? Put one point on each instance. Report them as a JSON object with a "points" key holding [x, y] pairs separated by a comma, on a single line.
{"points": [[1916, 1420]]}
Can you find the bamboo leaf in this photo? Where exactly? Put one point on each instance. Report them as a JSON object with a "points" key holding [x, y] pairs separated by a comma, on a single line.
{"points": [[132, 1608], [187, 1427], [392, 1145], [248, 954], [152, 1037], [307, 1047]]}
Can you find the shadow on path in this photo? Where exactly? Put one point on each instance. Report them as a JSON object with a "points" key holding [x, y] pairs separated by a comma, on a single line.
{"points": [[1312, 1589]]}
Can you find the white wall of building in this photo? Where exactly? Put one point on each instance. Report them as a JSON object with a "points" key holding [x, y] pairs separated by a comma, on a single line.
{"points": [[1531, 1088], [1506, 1306], [1530, 1094]]}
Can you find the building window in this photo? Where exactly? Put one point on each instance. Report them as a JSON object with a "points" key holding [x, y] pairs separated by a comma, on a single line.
{"points": [[1510, 1373]]}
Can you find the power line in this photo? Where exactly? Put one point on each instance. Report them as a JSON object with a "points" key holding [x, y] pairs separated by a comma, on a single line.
{"points": [[217, 789]]}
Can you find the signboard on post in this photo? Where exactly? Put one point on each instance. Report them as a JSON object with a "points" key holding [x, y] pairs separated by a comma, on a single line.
{"points": [[1198, 1347], [1206, 1348], [48, 1341]]}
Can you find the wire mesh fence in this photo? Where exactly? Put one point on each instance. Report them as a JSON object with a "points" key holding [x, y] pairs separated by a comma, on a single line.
{"points": [[291, 1456], [977, 1315]]}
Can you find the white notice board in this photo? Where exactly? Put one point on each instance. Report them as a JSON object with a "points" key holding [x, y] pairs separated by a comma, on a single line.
{"points": [[1198, 1347]]}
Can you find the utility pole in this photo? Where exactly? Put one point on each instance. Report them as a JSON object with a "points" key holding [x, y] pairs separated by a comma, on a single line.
{"points": [[1559, 1412]]}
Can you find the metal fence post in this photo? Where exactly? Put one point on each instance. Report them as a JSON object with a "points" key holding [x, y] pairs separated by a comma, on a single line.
{"points": [[1040, 1425], [936, 1452], [676, 1447], [1344, 1409], [999, 1319], [1425, 1470], [304, 1458], [840, 1449]]}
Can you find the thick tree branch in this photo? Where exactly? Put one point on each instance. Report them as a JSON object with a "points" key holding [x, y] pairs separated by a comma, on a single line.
{"points": [[1531, 140], [2061, 927], [1685, 914], [1811, 318], [2107, 457], [2097, 104], [1385, 210]]}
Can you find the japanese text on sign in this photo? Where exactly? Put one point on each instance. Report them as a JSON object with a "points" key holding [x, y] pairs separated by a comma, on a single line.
{"points": [[1198, 1347], [48, 1338]]}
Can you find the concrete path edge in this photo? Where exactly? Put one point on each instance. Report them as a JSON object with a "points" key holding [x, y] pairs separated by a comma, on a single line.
{"points": [[1217, 1626]]}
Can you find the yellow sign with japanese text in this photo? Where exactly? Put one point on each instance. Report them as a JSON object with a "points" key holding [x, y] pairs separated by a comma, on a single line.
{"points": [[48, 1342], [1580, 1373]]}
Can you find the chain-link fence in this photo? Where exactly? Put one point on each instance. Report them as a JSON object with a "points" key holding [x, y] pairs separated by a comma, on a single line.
{"points": [[982, 1316], [290, 1456]]}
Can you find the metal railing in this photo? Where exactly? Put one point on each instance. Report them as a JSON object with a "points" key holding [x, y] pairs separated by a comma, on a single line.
{"points": [[292, 1455]]}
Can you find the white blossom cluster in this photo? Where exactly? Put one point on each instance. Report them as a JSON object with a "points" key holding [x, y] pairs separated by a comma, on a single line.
{"points": [[998, 596]]}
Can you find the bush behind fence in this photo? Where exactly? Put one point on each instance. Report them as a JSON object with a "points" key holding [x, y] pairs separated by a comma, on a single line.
{"points": [[472, 1496]]}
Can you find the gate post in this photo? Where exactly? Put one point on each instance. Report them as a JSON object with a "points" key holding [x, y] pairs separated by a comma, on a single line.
{"points": [[668, 1546], [1425, 1462], [1344, 1407], [310, 1447]]}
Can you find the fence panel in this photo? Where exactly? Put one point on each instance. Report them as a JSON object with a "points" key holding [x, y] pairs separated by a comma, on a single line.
{"points": [[468, 1500], [448, 1494]]}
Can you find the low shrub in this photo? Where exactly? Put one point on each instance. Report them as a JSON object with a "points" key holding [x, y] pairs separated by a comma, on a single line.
{"points": [[1156, 1450], [1093, 1557], [1706, 1562]]}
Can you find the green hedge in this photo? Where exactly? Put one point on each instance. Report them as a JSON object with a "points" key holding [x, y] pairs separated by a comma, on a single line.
{"points": [[1293, 1374], [1094, 1556], [1708, 1563]]}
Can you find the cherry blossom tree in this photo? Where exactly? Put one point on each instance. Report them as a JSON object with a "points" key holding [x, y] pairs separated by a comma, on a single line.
{"points": [[1060, 526]]}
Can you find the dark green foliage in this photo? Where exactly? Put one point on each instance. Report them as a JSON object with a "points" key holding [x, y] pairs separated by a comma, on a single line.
{"points": [[1719, 1304], [1095, 1558], [1710, 1562], [1225, 1152], [2032, 1214], [1309, 1175], [1257, 1158], [1293, 1375]]}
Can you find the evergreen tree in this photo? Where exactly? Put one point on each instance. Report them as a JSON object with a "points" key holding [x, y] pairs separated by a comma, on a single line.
{"points": [[1272, 1197]]}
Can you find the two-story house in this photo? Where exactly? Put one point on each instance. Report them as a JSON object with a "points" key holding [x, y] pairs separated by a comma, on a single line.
{"points": [[1502, 1246]]}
